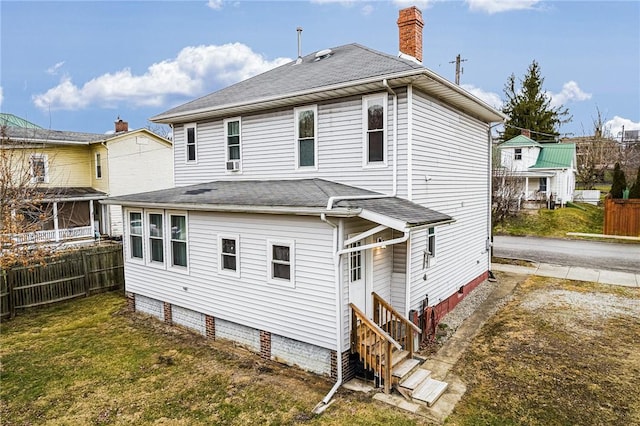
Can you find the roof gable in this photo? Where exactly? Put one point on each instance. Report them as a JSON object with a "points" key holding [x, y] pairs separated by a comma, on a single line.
{"points": [[556, 156], [519, 142]]}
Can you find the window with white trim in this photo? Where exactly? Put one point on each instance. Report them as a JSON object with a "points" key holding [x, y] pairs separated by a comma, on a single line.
{"points": [[155, 234], [39, 168], [98, 166], [191, 139], [281, 262], [229, 261], [178, 240], [430, 252], [135, 235], [306, 130], [375, 123], [355, 263], [517, 154], [232, 136]]}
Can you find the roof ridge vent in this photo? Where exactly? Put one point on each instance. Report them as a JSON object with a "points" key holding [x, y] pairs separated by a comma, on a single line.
{"points": [[323, 54]]}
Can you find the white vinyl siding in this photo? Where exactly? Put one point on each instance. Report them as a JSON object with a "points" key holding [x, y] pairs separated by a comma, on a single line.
{"points": [[269, 148], [458, 188], [305, 313]]}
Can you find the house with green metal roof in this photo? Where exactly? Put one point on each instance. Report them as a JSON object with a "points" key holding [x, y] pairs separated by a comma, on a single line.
{"points": [[546, 171]]}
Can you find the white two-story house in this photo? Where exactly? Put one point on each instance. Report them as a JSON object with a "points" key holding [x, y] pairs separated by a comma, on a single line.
{"points": [[302, 191], [544, 172]]}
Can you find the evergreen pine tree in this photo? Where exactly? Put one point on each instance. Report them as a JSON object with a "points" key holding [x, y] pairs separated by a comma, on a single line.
{"points": [[530, 107], [619, 182], [635, 188]]}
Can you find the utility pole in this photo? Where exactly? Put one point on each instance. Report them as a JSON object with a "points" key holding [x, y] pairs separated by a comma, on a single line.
{"points": [[458, 69]]}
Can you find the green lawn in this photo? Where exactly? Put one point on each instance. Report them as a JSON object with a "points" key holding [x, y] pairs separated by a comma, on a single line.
{"points": [[556, 223], [89, 362]]}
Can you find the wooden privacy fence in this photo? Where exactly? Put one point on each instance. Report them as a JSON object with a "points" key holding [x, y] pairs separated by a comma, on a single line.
{"points": [[79, 273], [622, 217]]}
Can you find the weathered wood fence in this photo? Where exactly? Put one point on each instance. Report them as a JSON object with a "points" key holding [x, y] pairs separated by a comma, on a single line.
{"points": [[79, 273], [622, 217]]}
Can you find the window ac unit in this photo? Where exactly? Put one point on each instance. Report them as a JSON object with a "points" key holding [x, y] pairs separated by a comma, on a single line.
{"points": [[233, 165]]}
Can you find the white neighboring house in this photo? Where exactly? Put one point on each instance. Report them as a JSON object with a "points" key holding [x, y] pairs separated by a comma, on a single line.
{"points": [[547, 171], [305, 189]]}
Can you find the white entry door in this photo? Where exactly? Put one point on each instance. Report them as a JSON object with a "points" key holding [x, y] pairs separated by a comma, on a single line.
{"points": [[357, 279]]}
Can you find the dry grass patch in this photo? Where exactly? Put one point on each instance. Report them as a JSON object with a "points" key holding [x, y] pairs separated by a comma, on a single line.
{"points": [[560, 352], [89, 362]]}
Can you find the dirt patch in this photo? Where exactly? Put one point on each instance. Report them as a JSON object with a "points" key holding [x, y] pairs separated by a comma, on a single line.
{"points": [[559, 352]]}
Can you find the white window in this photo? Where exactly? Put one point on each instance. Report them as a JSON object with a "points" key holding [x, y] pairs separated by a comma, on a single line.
{"points": [[155, 234], [229, 261], [355, 263], [39, 167], [375, 119], [135, 235], [98, 166], [281, 264], [178, 240], [191, 138], [306, 130], [429, 258], [232, 137], [518, 154]]}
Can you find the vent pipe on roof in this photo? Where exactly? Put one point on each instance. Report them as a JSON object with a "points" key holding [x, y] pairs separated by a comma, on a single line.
{"points": [[299, 60]]}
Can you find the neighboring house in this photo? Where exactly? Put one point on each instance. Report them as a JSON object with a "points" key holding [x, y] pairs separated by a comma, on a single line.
{"points": [[305, 189], [546, 172], [73, 171]]}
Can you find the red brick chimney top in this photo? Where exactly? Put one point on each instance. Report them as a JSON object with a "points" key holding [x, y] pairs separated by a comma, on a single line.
{"points": [[525, 132], [410, 26], [121, 126]]}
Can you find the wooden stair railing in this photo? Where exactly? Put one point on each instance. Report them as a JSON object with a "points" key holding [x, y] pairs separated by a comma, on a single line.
{"points": [[394, 324], [373, 345]]}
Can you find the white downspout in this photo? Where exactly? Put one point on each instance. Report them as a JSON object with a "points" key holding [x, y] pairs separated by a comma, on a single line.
{"points": [[385, 83], [337, 256], [322, 405]]}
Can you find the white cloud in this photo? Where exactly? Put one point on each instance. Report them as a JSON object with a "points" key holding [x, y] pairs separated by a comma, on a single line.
{"points": [[614, 126], [570, 92], [215, 4], [194, 70], [53, 70], [420, 4], [497, 6], [367, 10], [491, 98]]}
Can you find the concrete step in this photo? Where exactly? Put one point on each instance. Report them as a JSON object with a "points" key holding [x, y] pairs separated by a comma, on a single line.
{"points": [[415, 379], [405, 367], [429, 391]]}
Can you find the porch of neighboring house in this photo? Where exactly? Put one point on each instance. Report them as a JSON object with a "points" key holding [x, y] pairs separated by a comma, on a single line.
{"points": [[536, 190], [72, 214]]}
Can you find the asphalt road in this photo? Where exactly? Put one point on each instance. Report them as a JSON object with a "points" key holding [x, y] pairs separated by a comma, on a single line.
{"points": [[587, 254]]}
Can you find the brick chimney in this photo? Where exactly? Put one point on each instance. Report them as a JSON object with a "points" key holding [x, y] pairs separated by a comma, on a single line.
{"points": [[121, 126], [526, 132], [410, 26]]}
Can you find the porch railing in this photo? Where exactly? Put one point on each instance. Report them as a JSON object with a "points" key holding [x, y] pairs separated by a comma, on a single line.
{"points": [[394, 324], [49, 235], [373, 345]]}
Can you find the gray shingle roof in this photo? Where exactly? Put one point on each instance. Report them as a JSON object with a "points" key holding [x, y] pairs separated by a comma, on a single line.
{"points": [[300, 193], [346, 63], [25, 134]]}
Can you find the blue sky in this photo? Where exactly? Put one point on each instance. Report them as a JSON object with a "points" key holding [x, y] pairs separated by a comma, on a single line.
{"points": [[79, 65]]}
